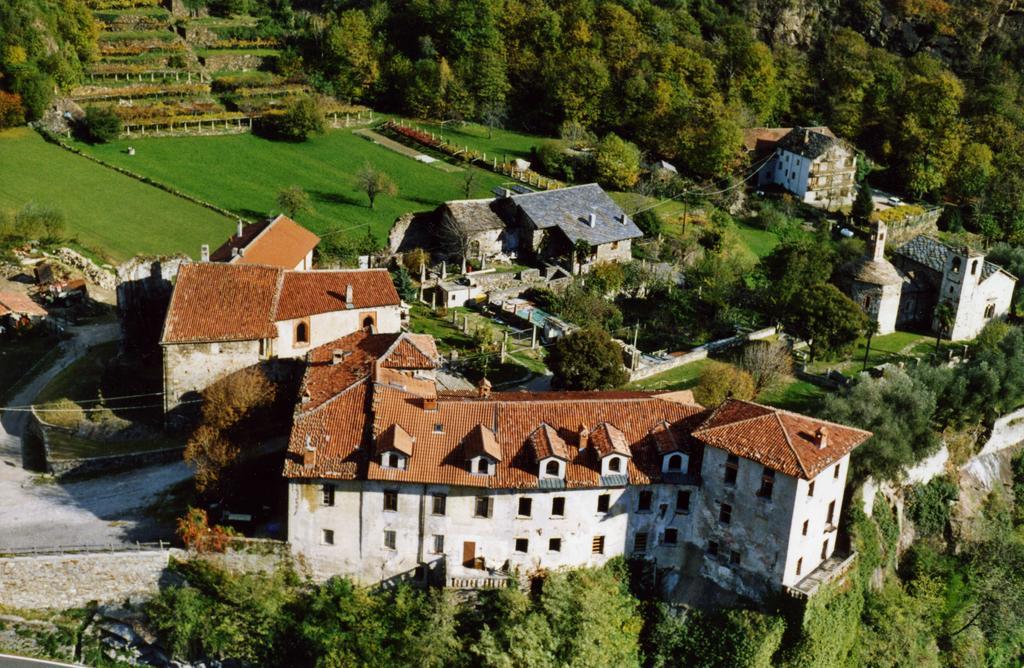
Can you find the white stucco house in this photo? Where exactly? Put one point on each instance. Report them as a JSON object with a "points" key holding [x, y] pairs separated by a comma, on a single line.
{"points": [[392, 478], [226, 317], [810, 163]]}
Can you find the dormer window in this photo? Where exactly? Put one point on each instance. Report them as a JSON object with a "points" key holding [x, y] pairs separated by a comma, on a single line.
{"points": [[615, 464], [673, 463], [393, 460], [552, 468], [482, 451]]}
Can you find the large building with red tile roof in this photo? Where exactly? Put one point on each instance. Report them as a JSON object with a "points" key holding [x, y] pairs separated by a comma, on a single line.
{"points": [[391, 477], [276, 242], [226, 317]]}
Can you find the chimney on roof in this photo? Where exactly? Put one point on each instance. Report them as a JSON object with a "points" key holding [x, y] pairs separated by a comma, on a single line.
{"points": [[592, 220], [234, 252], [348, 297], [337, 355], [308, 454], [204, 253], [821, 438], [240, 226], [622, 219], [483, 388], [584, 437], [506, 193], [430, 403], [807, 136]]}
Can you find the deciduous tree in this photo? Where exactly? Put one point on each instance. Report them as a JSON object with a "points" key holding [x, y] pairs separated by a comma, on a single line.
{"points": [[375, 182], [293, 200], [825, 318], [720, 381], [587, 359]]}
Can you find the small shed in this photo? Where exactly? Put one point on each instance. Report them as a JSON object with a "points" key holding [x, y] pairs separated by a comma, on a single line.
{"points": [[18, 310]]}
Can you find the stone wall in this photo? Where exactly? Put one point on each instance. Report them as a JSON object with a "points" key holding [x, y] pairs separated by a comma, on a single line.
{"points": [[905, 229], [237, 63], [72, 580]]}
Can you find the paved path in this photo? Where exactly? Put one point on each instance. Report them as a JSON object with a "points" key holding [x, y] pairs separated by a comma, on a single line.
{"points": [[37, 512], [8, 661]]}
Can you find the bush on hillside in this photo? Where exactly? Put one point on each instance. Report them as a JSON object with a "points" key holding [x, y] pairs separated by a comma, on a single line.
{"points": [[101, 125]]}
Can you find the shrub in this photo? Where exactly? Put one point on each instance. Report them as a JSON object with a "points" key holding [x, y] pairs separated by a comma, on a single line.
{"points": [[648, 222], [720, 381], [302, 119], [62, 413], [195, 532], [102, 125], [928, 505], [11, 111]]}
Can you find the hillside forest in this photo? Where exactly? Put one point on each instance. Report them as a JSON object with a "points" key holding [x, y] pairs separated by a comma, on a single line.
{"points": [[678, 78]]}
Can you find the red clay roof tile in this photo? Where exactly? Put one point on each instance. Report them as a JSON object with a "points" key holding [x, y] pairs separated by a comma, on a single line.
{"points": [[280, 242], [306, 293]]}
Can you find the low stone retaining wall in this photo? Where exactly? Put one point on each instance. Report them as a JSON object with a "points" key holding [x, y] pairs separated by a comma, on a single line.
{"points": [[905, 229], [699, 353], [91, 466], [72, 580], [236, 63]]}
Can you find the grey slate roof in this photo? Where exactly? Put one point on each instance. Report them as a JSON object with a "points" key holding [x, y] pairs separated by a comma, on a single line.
{"points": [[476, 215], [808, 142], [569, 209], [933, 254], [875, 272]]}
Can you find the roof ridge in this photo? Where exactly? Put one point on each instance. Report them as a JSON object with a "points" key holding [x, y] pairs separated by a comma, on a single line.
{"points": [[792, 448], [726, 403], [808, 417]]}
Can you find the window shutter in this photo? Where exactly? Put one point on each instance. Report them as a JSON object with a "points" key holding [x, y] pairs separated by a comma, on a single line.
{"points": [[490, 506]]}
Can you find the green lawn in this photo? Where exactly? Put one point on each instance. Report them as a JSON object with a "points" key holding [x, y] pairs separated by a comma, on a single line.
{"points": [[243, 173], [112, 215], [796, 395], [758, 242], [81, 380], [681, 378], [888, 348], [495, 144]]}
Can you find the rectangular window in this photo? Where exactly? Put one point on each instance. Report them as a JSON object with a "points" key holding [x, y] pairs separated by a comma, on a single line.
{"points": [[327, 495], [725, 513], [732, 468], [558, 506], [327, 537], [438, 544], [640, 542], [734, 558], [439, 503], [713, 548], [389, 539], [683, 501], [525, 507], [831, 512], [806, 522], [671, 536], [799, 565], [644, 501], [824, 549], [603, 503], [767, 483], [597, 545], [810, 489], [482, 507], [522, 545], [555, 545], [390, 500], [835, 473]]}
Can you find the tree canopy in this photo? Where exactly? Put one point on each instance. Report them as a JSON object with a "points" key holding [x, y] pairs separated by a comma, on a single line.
{"points": [[587, 359]]}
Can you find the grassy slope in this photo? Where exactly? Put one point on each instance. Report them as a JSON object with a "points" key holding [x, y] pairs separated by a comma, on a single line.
{"points": [[243, 173], [110, 213]]}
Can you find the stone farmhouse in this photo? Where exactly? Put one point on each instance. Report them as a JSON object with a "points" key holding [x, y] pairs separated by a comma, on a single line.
{"points": [[276, 242], [542, 226], [924, 272], [811, 163], [226, 317], [392, 478]]}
